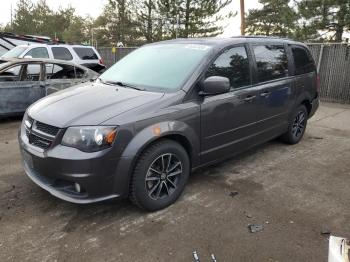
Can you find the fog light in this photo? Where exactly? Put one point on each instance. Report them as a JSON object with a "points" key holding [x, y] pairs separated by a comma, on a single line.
{"points": [[77, 187]]}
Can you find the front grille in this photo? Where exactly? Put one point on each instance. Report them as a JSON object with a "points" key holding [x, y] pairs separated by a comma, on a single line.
{"points": [[51, 130], [39, 141], [40, 134]]}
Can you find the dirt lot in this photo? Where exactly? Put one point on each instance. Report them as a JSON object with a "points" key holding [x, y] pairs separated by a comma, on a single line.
{"points": [[296, 192]]}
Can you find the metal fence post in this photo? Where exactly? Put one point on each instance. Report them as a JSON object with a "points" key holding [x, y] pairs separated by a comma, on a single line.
{"points": [[320, 59]]}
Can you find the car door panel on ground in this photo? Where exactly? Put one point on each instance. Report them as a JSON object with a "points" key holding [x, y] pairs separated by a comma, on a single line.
{"points": [[228, 121], [275, 87], [24, 87]]}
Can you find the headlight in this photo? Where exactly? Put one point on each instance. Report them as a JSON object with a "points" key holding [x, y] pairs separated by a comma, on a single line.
{"points": [[89, 138]]}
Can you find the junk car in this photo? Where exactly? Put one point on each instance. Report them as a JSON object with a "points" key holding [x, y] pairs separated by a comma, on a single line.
{"points": [[24, 81]]}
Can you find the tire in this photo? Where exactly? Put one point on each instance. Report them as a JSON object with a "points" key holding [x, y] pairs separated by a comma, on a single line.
{"points": [[166, 164], [297, 126]]}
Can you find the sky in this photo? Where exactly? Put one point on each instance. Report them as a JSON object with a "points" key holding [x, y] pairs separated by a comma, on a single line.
{"points": [[94, 8]]}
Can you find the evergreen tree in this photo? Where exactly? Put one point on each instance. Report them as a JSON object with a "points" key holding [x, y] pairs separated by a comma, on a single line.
{"points": [[276, 18], [201, 17], [192, 18], [77, 31], [148, 22], [24, 22], [324, 19], [117, 23]]}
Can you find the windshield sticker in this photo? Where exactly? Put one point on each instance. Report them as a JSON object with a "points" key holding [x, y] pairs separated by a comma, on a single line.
{"points": [[198, 47]]}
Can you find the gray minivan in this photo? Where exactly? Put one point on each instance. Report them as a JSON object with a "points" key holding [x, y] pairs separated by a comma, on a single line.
{"points": [[165, 110]]}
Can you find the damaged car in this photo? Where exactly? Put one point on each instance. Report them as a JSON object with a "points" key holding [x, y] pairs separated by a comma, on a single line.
{"points": [[24, 81]]}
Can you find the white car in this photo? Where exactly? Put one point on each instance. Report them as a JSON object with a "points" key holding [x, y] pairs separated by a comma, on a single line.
{"points": [[82, 55]]}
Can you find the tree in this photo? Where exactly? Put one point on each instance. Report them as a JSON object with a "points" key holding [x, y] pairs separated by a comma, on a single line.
{"points": [[329, 18], [192, 18], [202, 17], [117, 23], [276, 17], [24, 22], [77, 31], [148, 22]]}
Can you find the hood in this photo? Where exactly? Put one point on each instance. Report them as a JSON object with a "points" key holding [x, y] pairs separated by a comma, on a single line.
{"points": [[88, 104]]}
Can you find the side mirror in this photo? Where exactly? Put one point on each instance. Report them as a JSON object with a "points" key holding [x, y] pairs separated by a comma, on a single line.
{"points": [[215, 85], [28, 57]]}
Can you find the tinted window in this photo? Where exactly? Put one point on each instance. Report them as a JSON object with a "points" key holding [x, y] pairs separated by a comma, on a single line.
{"points": [[271, 62], [61, 53], [234, 65], [54, 71], [302, 61], [85, 53], [39, 52]]}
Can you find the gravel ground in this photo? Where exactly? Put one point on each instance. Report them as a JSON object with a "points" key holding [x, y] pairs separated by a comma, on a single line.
{"points": [[295, 192]]}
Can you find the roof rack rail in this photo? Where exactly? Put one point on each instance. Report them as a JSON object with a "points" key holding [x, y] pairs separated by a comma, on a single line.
{"points": [[30, 38], [261, 36]]}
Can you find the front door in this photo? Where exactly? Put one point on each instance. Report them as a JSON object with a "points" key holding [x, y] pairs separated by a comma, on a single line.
{"points": [[228, 121], [20, 86]]}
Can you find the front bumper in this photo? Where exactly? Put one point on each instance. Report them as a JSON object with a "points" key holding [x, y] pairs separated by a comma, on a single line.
{"points": [[100, 175]]}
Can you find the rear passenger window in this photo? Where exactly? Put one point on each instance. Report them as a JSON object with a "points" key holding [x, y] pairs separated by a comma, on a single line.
{"points": [[303, 61], [80, 73], [85, 53], [234, 65], [272, 62], [54, 71], [61, 53]]}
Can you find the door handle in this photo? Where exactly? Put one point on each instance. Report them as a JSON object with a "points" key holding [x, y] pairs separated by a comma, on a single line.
{"points": [[249, 98], [265, 94]]}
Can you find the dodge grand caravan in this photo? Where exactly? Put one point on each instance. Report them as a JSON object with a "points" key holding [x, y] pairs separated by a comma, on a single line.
{"points": [[163, 111]]}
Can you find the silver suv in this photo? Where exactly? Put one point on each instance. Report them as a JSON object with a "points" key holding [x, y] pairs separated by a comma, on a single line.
{"points": [[79, 54]]}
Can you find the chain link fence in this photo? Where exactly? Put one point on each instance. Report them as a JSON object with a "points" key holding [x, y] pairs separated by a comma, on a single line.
{"points": [[333, 63], [111, 58]]}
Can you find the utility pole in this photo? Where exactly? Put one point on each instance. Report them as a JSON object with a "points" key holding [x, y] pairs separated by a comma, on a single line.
{"points": [[11, 19], [242, 18]]}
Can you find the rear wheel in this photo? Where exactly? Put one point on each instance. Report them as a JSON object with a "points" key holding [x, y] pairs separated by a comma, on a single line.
{"points": [[297, 126], [160, 175]]}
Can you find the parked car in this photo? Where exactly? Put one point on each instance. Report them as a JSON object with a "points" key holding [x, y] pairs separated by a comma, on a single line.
{"points": [[82, 55], [165, 110], [24, 81]]}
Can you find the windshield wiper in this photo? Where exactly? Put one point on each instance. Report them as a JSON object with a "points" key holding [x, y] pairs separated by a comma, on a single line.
{"points": [[118, 83]]}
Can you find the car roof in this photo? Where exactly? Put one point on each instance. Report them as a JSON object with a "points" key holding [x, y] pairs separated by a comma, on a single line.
{"points": [[39, 60], [222, 42], [56, 45]]}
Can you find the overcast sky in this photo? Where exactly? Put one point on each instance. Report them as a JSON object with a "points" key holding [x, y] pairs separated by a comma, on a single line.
{"points": [[94, 8]]}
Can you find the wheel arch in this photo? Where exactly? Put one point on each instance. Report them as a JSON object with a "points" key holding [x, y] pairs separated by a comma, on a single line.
{"points": [[304, 99], [177, 131]]}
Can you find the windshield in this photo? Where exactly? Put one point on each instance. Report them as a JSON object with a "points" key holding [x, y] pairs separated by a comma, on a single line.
{"points": [[15, 52], [157, 67]]}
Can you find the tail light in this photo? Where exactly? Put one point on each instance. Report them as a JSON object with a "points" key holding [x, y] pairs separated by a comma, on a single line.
{"points": [[318, 83], [101, 61]]}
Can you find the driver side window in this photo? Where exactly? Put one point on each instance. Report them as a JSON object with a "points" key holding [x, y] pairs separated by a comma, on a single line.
{"points": [[233, 64]]}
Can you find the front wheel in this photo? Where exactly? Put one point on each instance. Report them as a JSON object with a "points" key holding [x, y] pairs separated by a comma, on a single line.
{"points": [[160, 175], [297, 126]]}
